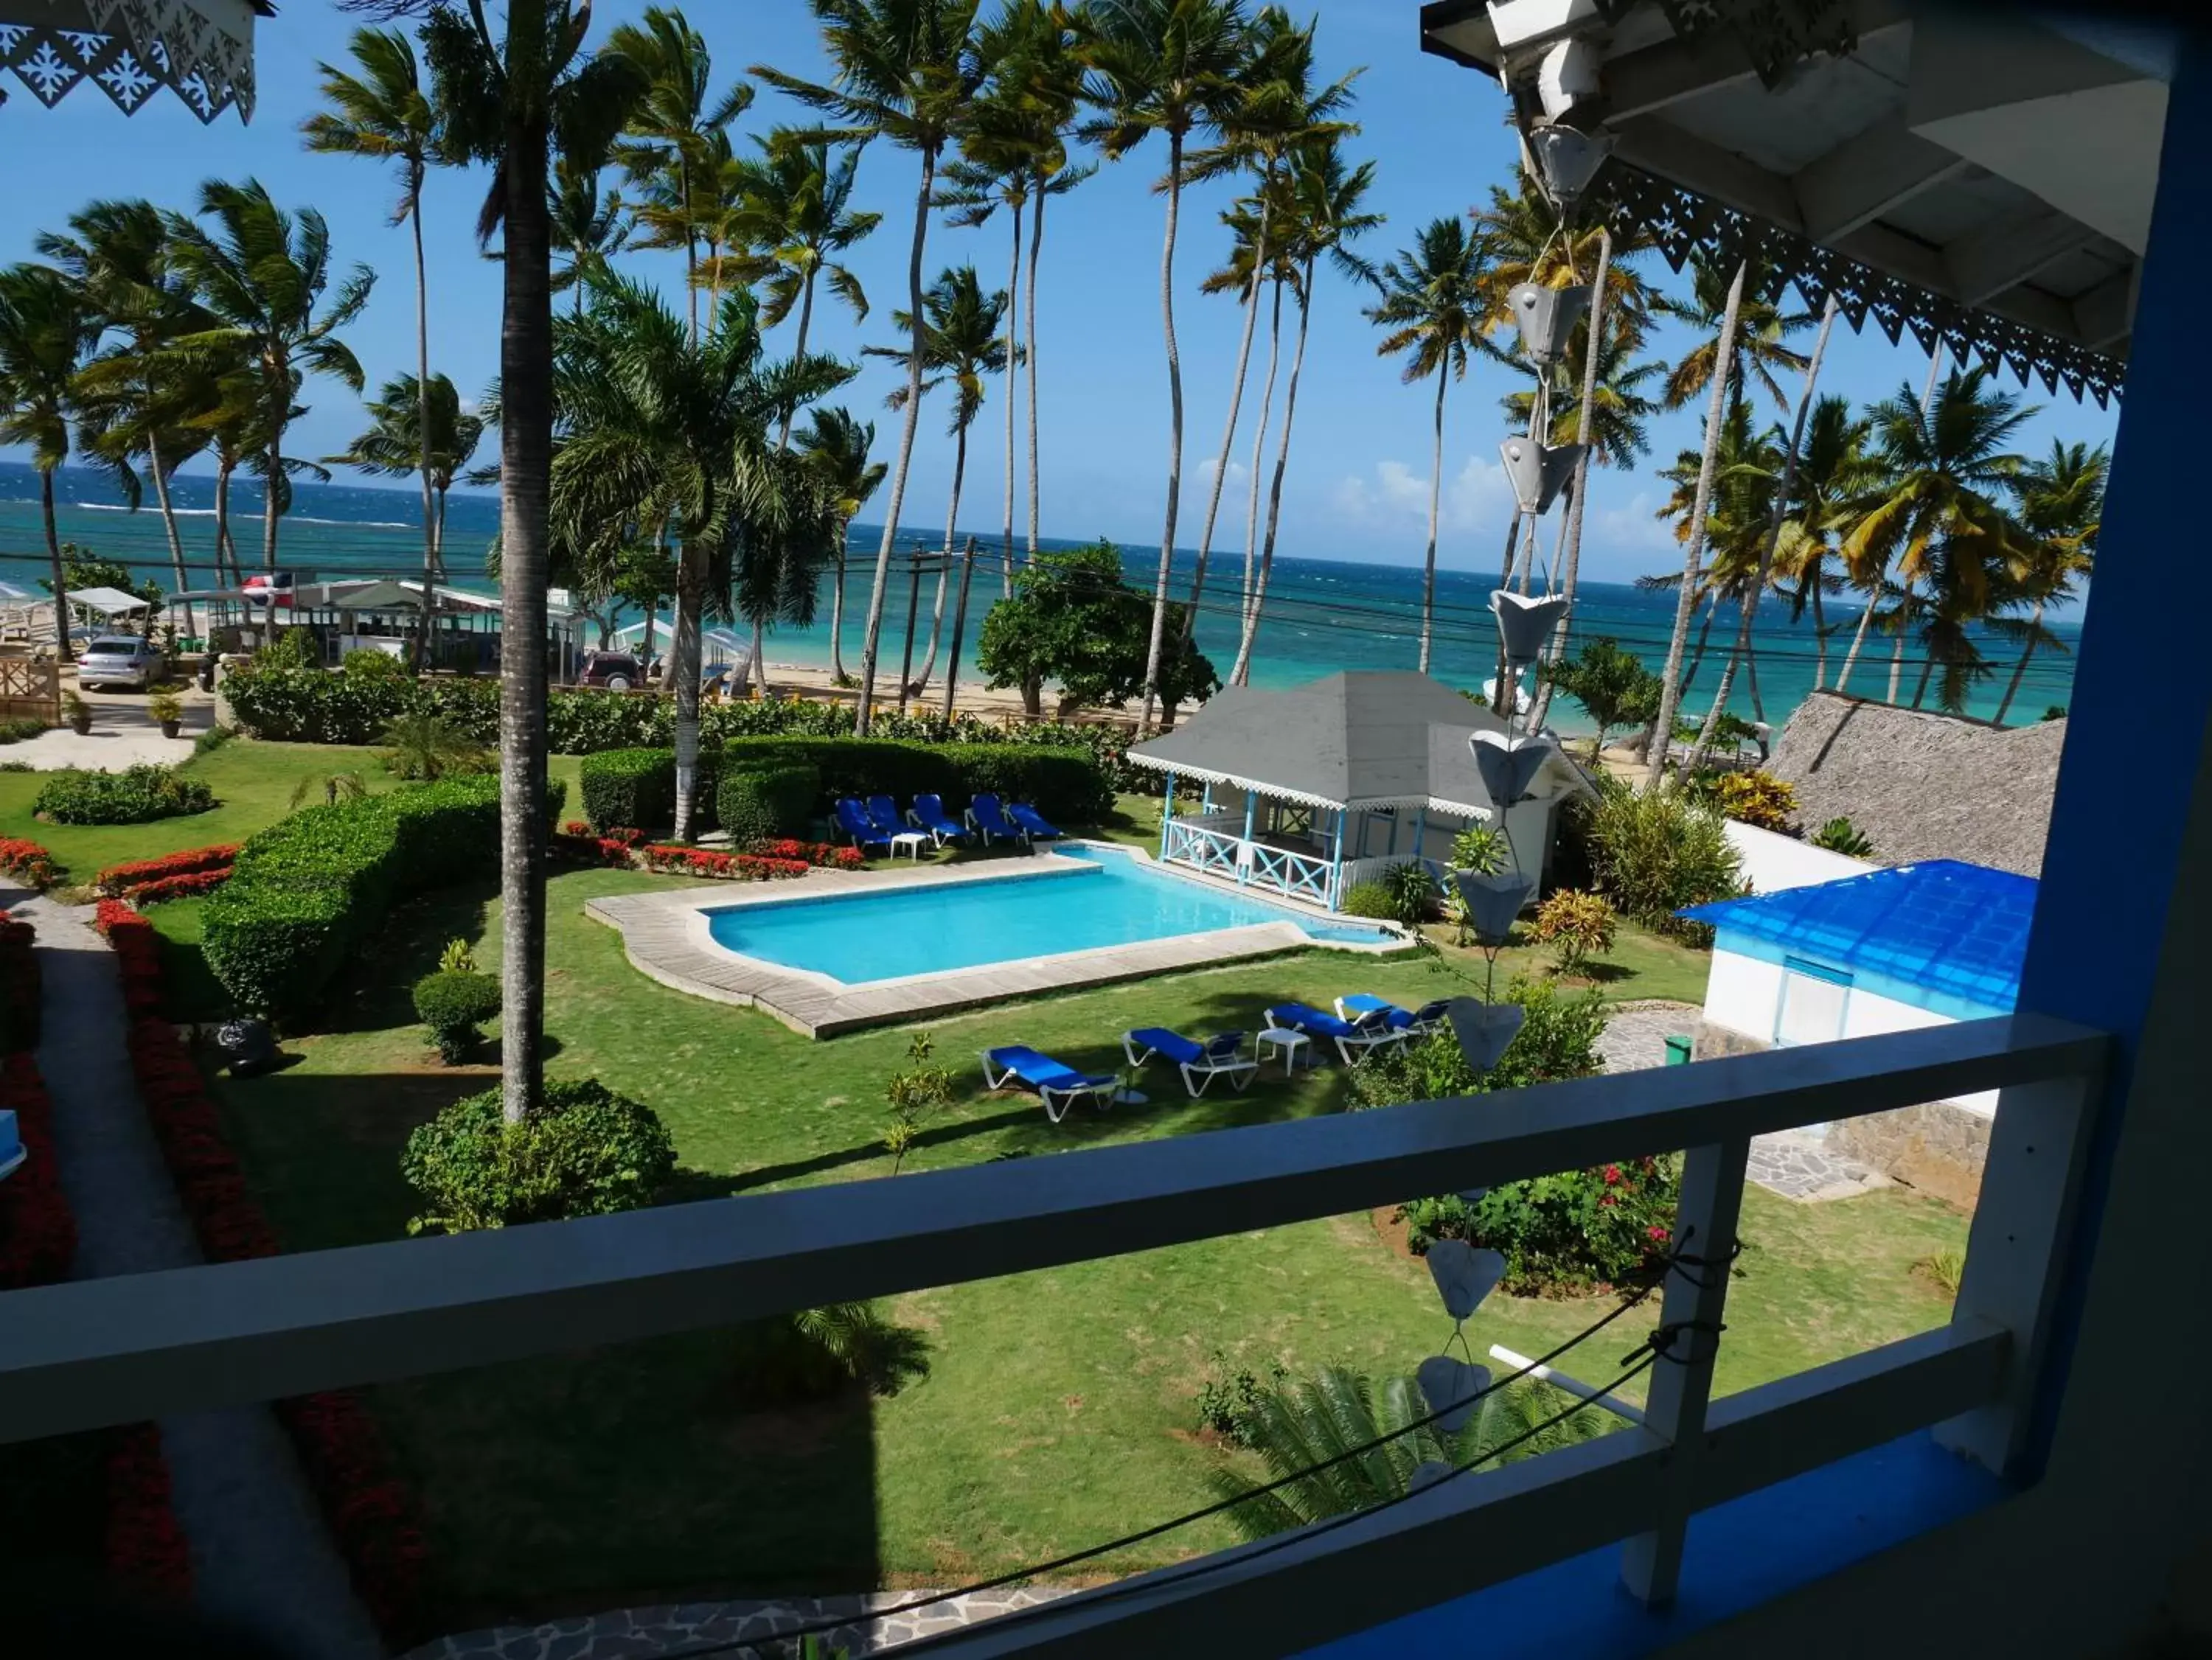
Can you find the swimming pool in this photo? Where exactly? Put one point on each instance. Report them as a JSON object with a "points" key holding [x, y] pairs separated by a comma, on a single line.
{"points": [[1109, 898]]}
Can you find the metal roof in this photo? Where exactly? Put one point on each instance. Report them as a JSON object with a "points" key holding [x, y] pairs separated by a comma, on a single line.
{"points": [[1956, 932]]}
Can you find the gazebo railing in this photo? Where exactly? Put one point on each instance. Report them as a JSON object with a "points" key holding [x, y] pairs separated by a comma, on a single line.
{"points": [[1250, 864]]}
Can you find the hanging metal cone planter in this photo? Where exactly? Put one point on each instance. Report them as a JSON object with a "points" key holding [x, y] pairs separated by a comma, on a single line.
{"points": [[1546, 319], [1567, 160], [1508, 767], [1525, 622], [1493, 903], [1485, 1031], [1538, 472]]}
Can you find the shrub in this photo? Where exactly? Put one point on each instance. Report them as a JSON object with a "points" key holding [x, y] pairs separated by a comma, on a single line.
{"points": [[765, 804], [1654, 852], [584, 1151], [453, 1003], [165, 707], [1757, 798], [306, 890], [914, 1093], [137, 795], [424, 748], [213, 739], [820, 1352], [630, 787], [1228, 1401], [37, 1230], [1577, 926], [369, 663], [1842, 836], [18, 731], [1371, 900], [1413, 892], [293, 648], [18, 985], [1557, 1040], [31, 861], [117, 879], [1482, 848]]}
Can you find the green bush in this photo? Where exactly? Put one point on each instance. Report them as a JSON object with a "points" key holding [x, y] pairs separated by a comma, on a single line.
{"points": [[1842, 836], [818, 1354], [213, 739], [760, 803], [305, 894], [18, 731], [453, 1003], [1413, 892], [635, 789], [1654, 852], [585, 1151], [1577, 926], [370, 663], [1371, 900], [137, 795]]}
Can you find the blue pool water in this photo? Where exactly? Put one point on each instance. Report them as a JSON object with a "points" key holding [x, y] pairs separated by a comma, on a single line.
{"points": [[1114, 901]]}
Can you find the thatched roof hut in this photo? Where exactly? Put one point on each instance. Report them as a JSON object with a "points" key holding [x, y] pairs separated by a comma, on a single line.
{"points": [[1923, 786]]}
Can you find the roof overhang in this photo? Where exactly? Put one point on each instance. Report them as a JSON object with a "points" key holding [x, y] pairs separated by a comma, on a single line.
{"points": [[201, 49], [1970, 175]]}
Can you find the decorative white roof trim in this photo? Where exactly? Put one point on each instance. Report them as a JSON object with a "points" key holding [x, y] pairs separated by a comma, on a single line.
{"points": [[1256, 785], [201, 49]]}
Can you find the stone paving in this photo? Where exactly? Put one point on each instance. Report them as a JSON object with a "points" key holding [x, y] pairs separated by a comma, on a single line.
{"points": [[750, 1628], [1795, 1163]]}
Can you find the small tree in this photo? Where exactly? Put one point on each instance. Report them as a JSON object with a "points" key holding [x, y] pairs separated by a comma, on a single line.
{"points": [[1577, 926], [914, 1093], [1611, 685], [1074, 620]]}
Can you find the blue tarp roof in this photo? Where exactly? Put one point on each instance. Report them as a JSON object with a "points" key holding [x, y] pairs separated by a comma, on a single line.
{"points": [[1957, 930]]}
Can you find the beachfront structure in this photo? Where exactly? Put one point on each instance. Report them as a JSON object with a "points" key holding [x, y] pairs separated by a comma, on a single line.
{"points": [[1309, 792], [201, 49], [370, 614], [1891, 950]]}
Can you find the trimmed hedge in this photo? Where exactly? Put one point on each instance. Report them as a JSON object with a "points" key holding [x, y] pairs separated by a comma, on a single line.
{"points": [[583, 1151], [635, 789], [765, 804], [305, 893]]}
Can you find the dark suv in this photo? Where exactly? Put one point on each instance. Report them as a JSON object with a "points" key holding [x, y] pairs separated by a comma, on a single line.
{"points": [[618, 671]]}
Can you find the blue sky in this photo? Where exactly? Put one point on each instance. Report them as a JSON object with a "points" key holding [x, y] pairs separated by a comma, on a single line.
{"points": [[1358, 477]]}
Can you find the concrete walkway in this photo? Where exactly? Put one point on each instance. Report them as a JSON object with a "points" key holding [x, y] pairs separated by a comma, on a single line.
{"points": [[122, 735], [261, 1555]]}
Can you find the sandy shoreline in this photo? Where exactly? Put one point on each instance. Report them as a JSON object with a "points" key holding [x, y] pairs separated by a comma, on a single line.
{"points": [[813, 680]]}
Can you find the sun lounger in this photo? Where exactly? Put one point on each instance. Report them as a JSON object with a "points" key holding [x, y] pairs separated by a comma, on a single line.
{"points": [[1415, 1022], [1201, 1063], [1058, 1086], [1031, 822], [929, 813], [1355, 1040], [989, 819], [852, 821], [884, 812]]}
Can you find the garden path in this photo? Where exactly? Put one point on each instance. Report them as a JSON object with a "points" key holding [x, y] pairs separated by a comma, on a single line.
{"points": [[261, 1556]]}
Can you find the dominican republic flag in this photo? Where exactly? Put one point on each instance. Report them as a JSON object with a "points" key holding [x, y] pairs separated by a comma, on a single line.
{"points": [[270, 588]]}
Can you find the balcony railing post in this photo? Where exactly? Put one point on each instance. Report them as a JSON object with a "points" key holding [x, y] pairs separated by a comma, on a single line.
{"points": [[1682, 1381]]}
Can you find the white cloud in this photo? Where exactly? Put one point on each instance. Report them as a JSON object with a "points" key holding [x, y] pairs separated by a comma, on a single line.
{"points": [[1238, 472], [1632, 528], [1474, 496]]}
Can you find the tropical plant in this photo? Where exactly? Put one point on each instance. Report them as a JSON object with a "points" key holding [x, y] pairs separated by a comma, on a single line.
{"points": [[420, 746], [1652, 853], [960, 346], [261, 274], [2060, 503], [1612, 686], [795, 217], [585, 224], [907, 72], [1073, 620], [916, 1092], [333, 787], [1482, 848], [44, 331], [835, 449], [1577, 926], [1434, 304], [384, 113], [1168, 67], [1757, 798], [1413, 892], [1833, 471], [1840, 835]]}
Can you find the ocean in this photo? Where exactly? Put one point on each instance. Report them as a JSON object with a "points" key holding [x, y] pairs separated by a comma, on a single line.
{"points": [[1322, 615]]}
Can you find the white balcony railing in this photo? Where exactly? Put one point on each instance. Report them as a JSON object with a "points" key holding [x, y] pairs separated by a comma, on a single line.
{"points": [[1250, 864], [118, 1350]]}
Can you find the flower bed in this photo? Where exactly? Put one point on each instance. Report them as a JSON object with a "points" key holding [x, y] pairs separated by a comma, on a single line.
{"points": [[710, 862], [19, 986], [38, 1233], [763, 861], [120, 879], [144, 1550], [370, 1514], [32, 863]]}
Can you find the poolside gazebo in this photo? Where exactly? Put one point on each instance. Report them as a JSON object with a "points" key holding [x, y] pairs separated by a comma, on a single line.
{"points": [[1309, 791]]}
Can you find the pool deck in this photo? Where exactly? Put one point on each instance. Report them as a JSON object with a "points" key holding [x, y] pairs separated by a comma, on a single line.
{"points": [[665, 937]]}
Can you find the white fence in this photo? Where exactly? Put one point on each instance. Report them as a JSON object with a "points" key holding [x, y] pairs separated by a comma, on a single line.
{"points": [[1249, 863]]}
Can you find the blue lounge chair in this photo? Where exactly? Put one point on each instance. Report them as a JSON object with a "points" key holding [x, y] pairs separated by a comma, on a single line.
{"points": [[1201, 1063], [852, 821], [929, 815], [1031, 822], [884, 812], [989, 819], [1058, 1086], [1355, 1040], [1414, 1023]]}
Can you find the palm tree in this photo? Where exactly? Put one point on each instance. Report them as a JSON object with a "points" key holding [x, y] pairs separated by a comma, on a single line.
{"points": [[2060, 502], [907, 72], [504, 103], [1832, 472], [44, 332], [587, 226], [384, 113], [658, 428], [1170, 67], [1746, 463], [1621, 402], [1934, 520], [960, 344], [1524, 239], [1434, 304], [1763, 329], [1324, 216], [667, 144], [835, 448], [261, 278]]}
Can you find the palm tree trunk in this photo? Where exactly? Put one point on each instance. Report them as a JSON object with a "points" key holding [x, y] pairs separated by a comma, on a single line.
{"points": [[2019, 668], [1243, 675], [270, 486], [1698, 652], [1259, 443], [525, 443], [837, 614], [1174, 433], [1028, 320], [1813, 575], [223, 468], [438, 547], [1927, 670], [1776, 512], [1897, 651], [1570, 559], [875, 629], [423, 420], [1670, 693], [1013, 343], [54, 558], [683, 665], [1235, 403], [797, 352], [1858, 639], [944, 570], [168, 521], [1435, 499]]}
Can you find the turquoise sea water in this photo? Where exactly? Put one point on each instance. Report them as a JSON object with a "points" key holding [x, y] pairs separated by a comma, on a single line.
{"points": [[858, 937], [1322, 614]]}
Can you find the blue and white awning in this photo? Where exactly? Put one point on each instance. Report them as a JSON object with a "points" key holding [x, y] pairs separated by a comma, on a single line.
{"points": [[201, 49]]}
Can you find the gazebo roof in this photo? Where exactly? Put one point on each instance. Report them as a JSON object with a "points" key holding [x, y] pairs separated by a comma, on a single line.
{"points": [[1377, 739], [109, 601], [201, 49]]}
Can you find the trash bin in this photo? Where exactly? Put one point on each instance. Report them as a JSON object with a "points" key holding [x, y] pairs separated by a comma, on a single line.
{"points": [[1677, 1048]]}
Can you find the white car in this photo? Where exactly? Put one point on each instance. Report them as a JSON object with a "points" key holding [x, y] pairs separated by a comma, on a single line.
{"points": [[124, 660]]}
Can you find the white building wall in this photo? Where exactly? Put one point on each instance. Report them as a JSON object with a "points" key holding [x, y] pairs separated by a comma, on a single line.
{"points": [[1772, 862]]}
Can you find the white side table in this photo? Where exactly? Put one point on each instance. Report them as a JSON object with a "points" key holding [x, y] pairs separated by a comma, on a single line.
{"points": [[910, 843], [1291, 1044]]}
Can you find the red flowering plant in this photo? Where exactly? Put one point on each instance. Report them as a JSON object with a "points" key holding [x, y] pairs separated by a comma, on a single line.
{"points": [[18, 985], [30, 862], [585, 848], [822, 853], [144, 1550], [141, 874], [38, 1231], [712, 862]]}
